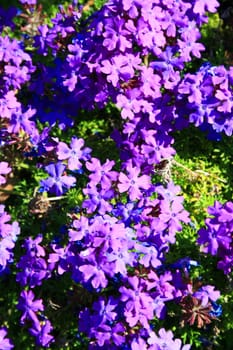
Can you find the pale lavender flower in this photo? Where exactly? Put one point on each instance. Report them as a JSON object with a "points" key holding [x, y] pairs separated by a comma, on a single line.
{"points": [[5, 343], [201, 6], [4, 170], [74, 154], [165, 340]]}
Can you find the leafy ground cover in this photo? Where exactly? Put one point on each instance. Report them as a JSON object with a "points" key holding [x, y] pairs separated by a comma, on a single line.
{"points": [[116, 175]]}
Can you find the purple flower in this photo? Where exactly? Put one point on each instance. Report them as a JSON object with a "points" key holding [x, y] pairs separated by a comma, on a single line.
{"points": [[139, 344], [190, 46], [80, 229], [21, 121], [117, 70], [173, 214], [116, 36], [74, 154], [133, 183], [201, 6], [8, 237], [57, 182], [151, 83], [95, 273], [33, 246], [34, 267], [98, 199], [164, 289], [165, 340], [214, 237], [105, 310], [42, 331], [165, 66], [105, 333], [206, 294], [150, 255], [8, 104], [29, 307], [5, 343], [28, 2], [4, 170], [130, 104], [102, 174], [138, 303], [6, 246]]}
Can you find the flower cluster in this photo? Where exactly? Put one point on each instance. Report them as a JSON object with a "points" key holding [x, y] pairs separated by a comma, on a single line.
{"points": [[216, 238], [31, 309], [209, 97], [133, 54], [8, 236]]}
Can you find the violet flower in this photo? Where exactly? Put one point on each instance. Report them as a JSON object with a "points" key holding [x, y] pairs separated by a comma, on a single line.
{"points": [[5, 343], [101, 174], [57, 182], [133, 183], [201, 6], [41, 331], [165, 340], [29, 306], [4, 170], [73, 154]]}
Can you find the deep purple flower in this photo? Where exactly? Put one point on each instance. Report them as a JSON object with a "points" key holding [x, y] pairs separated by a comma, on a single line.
{"points": [[7, 16], [21, 121], [33, 246], [41, 331], [57, 182], [214, 237], [105, 311], [105, 334], [33, 265], [29, 306], [216, 310]]}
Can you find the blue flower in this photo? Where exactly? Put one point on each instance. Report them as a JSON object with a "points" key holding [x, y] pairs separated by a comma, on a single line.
{"points": [[57, 182], [216, 309]]}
